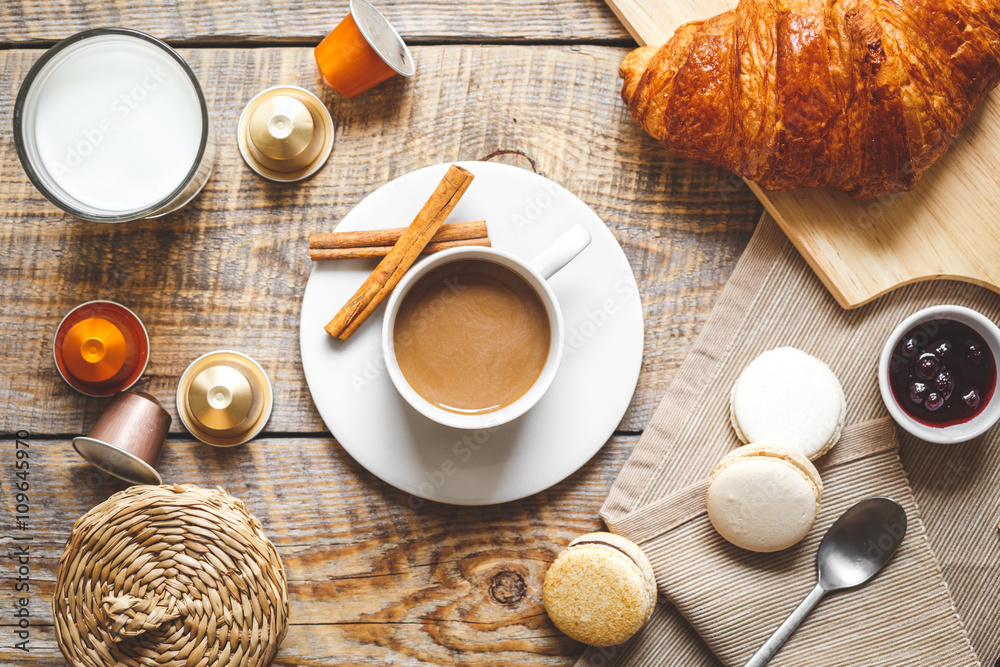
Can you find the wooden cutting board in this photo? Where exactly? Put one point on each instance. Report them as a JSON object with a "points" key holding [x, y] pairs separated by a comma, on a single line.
{"points": [[946, 227]]}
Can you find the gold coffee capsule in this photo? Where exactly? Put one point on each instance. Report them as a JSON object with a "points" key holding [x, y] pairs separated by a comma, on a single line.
{"points": [[285, 133], [224, 398]]}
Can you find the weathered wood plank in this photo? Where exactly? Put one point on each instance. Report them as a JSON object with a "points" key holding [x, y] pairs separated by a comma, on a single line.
{"points": [[216, 22], [228, 271], [378, 577], [375, 576]]}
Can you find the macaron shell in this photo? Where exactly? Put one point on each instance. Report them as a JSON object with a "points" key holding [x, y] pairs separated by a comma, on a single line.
{"points": [[790, 398], [732, 417], [761, 503], [633, 551], [597, 593], [798, 461]]}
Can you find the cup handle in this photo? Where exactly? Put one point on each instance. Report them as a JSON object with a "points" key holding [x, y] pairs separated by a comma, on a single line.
{"points": [[562, 251]]}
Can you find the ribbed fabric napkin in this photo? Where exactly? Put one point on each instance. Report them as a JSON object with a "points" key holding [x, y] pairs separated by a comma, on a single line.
{"points": [[735, 599], [774, 299]]}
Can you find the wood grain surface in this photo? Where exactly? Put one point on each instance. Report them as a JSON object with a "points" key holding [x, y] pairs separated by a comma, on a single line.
{"points": [[376, 577], [291, 22], [228, 271]]}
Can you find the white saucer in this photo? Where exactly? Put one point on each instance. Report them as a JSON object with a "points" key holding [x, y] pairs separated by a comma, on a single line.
{"points": [[600, 301]]}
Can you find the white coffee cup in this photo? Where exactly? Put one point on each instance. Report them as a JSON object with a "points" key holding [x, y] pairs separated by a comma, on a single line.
{"points": [[536, 273]]}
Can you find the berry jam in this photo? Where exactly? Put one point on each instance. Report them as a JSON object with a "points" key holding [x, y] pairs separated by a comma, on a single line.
{"points": [[942, 373]]}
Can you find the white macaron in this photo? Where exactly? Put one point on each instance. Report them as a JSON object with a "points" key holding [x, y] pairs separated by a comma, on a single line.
{"points": [[763, 498], [789, 399]]}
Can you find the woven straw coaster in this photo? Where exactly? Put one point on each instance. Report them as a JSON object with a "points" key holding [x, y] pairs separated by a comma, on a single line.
{"points": [[774, 299], [170, 576]]}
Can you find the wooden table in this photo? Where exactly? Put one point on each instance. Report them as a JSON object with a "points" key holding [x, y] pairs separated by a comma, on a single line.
{"points": [[374, 577]]}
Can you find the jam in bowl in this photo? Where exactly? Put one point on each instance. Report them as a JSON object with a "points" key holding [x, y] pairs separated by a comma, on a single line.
{"points": [[938, 374]]}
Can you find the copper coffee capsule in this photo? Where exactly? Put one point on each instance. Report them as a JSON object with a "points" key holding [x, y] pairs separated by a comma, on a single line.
{"points": [[224, 398], [128, 438], [285, 133]]}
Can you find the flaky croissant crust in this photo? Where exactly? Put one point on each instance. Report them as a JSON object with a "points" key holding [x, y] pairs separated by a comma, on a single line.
{"points": [[856, 95]]}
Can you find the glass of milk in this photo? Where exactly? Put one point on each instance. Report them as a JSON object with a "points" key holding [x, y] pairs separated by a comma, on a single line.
{"points": [[111, 125]]}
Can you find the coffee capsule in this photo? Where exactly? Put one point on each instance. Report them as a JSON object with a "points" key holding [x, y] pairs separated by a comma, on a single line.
{"points": [[285, 133], [101, 348], [224, 398], [128, 438], [362, 51]]}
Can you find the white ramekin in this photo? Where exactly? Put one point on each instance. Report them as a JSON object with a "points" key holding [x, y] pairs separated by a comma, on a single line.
{"points": [[956, 432]]}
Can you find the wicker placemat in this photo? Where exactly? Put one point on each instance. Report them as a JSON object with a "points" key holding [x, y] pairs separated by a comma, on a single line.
{"points": [[171, 576], [773, 298]]}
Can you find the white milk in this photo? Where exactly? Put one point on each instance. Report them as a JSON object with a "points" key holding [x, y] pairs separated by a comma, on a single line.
{"points": [[116, 123]]}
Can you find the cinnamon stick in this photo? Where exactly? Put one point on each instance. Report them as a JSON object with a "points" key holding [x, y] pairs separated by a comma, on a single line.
{"points": [[369, 252], [452, 231], [406, 250]]}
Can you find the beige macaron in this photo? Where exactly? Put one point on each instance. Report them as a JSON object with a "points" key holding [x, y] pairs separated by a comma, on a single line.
{"points": [[791, 399], [764, 498], [600, 590]]}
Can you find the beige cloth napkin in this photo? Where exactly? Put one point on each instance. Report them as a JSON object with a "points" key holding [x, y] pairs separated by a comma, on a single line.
{"points": [[774, 299], [736, 598]]}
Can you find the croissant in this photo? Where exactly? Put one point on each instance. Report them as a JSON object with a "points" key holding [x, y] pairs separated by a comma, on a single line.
{"points": [[856, 95]]}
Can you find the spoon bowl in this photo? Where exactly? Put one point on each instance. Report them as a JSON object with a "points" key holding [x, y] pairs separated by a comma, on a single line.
{"points": [[855, 548], [860, 543]]}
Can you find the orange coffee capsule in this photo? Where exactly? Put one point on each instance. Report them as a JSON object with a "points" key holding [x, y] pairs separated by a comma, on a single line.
{"points": [[101, 348], [94, 350], [362, 52]]}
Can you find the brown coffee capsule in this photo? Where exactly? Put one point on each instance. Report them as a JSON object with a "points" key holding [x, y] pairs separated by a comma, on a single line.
{"points": [[224, 398], [285, 133], [128, 438]]}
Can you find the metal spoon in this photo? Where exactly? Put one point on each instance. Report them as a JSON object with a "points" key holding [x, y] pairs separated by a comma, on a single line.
{"points": [[856, 547]]}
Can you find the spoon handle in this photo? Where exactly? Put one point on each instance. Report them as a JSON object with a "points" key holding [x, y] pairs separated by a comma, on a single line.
{"points": [[771, 646]]}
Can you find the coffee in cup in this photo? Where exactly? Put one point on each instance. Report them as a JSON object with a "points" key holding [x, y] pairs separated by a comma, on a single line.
{"points": [[471, 336]]}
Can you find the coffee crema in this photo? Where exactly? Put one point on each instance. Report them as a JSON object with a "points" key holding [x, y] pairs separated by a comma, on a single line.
{"points": [[471, 336]]}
